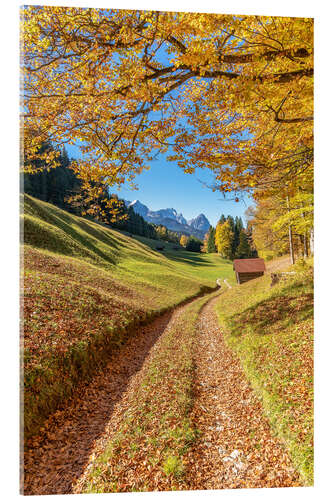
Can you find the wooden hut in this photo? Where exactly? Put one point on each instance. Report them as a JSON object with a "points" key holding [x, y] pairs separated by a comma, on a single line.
{"points": [[248, 269]]}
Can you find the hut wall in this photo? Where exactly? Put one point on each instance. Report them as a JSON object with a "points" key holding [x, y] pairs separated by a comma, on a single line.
{"points": [[243, 277]]}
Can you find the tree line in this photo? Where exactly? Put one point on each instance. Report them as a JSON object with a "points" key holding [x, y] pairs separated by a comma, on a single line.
{"points": [[276, 225], [230, 239], [282, 225], [56, 185], [244, 85], [61, 187]]}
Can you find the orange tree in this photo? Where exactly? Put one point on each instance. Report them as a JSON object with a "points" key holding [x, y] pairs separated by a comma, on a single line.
{"points": [[229, 93]]}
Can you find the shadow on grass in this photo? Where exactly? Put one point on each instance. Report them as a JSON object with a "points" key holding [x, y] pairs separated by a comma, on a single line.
{"points": [[67, 223], [260, 318], [194, 260]]}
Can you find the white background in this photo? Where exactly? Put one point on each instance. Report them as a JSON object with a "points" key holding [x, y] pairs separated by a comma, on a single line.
{"points": [[9, 263]]}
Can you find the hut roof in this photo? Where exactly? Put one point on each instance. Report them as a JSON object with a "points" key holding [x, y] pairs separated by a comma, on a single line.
{"points": [[249, 265]]}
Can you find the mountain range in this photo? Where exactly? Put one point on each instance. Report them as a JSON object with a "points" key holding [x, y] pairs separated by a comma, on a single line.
{"points": [[174, 221]]}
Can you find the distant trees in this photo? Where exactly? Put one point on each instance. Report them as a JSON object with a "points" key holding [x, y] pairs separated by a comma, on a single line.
{"points": [[211, 240], [165, 234], [230, 239], [243, 249], [193, 244], [133, 223], [183, 240], [125, 218], [56, 185], [283, 224], [162, 232], [224, 237]]}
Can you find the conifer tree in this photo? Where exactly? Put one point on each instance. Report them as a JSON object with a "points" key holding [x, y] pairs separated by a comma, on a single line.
{"points": [[211, 240], [243, 250], [193, 244], [238, 227]]}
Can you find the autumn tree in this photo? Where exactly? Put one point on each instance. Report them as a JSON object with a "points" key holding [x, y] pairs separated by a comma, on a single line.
{"points": [[217, 236], [224, 239], [260, 219], [233, 94], [298, 217], [273, 220], [183, 240], [205, 243], [162, 232]]}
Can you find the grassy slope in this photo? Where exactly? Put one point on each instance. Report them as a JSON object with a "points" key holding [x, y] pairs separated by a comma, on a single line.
{"points": [[85, 288], [271, 330]]}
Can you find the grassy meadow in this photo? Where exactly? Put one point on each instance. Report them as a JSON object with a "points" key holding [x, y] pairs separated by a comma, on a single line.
{"points": [[85, 288], [271, 330]]}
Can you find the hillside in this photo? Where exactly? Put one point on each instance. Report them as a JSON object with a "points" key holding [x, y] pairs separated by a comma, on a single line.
{"points": [[86, 287], [271, 331]]}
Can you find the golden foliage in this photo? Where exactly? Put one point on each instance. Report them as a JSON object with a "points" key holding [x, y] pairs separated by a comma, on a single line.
{"points": [[230, 93], [223, 239], [183, 240]]}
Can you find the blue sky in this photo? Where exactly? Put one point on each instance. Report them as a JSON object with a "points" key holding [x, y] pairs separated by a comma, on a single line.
{"points": [[165, 185]]}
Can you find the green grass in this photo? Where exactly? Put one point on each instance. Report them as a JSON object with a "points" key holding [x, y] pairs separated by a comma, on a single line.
{"points": [[271, 331], [86, 288], [198, 265], [146, 453]]}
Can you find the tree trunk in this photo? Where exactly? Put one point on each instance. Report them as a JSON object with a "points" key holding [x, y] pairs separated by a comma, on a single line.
{"points": [[305, 246], [311, 241], [291, 246]]}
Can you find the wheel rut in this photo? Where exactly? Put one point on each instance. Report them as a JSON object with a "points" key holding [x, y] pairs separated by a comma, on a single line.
{"points": [[57, 457], [236, 447]]}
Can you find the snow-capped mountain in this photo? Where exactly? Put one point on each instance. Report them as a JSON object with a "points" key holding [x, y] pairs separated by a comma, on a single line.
{"points": [[169, 218], [139, 208], [201, 223], [181, 219]]}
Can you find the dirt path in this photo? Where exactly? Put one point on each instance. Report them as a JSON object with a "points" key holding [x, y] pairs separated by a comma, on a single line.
{"points": [[236, 448], [59, 455]]}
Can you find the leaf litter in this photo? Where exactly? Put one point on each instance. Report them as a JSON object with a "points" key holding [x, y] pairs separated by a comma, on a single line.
{"points": [[234, 445]]}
